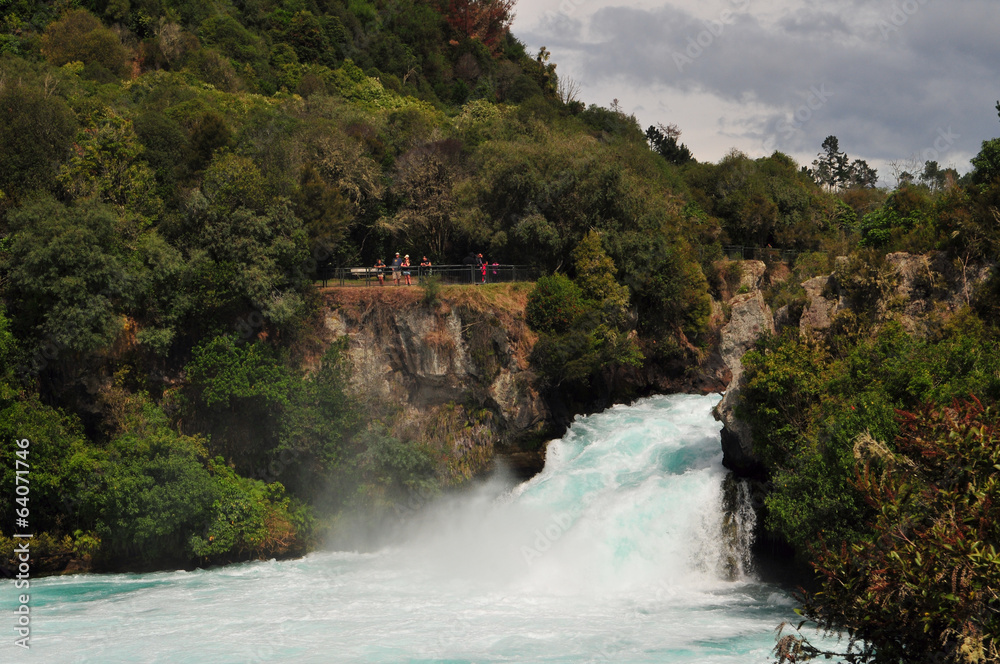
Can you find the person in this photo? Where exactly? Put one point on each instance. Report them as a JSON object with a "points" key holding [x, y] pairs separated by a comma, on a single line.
{"points": [[482, 265], [425, 267], [470, 260], [406, 268], [379, 270], [396, 262]]}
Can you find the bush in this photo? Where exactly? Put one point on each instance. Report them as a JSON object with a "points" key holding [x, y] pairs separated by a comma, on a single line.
{"points": [[391, 470], [250, 519], [807, 404], [923, 587], [432, 289], [554, 304], [156, 492]]}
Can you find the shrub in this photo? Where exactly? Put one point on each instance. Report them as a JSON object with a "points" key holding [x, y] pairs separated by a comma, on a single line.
{"points": [[432, 289], [156, 492], [923, 587], [554, 304], [250, 519]]}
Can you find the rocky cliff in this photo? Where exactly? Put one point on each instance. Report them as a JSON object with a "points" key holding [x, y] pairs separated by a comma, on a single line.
{"points": [[913, 289], [454, 372], [454, 368]]}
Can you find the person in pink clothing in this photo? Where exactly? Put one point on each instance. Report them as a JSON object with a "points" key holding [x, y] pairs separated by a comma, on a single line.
{"points": [[406, 268]]}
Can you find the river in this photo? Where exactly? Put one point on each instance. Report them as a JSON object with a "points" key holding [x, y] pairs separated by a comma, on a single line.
{"points": [[617, 552]]}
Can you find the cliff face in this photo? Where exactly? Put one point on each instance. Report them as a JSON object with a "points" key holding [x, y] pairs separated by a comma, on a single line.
{"points": [[456, 370], [458, 367], [750, 319], [913, 289]]}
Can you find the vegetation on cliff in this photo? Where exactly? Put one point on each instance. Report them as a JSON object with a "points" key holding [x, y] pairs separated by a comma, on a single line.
{"points": [[878, 433], [172, 175]]}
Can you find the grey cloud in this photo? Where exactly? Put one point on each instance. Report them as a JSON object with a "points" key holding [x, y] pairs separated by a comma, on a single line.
{"points": [[890, 92]]}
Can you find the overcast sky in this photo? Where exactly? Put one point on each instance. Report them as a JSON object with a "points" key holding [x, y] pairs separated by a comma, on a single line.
{"points": [[892, 79]]}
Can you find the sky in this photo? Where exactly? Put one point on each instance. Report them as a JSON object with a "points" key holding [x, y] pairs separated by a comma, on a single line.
{"points": [[898, 82]]}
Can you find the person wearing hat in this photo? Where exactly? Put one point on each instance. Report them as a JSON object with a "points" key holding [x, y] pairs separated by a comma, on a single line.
{"points": [[406, 268], [396, 262]]}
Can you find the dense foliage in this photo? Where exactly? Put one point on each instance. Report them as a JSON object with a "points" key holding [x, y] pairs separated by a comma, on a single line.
{"points": [[808, 403], [584, 325], [173, 175], [171, 178], [923, 587]]}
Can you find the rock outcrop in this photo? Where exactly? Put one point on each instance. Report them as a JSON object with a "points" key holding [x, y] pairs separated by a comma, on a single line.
{"points": [[750, 318], [912, 290], [428, 359], [819, 311]]}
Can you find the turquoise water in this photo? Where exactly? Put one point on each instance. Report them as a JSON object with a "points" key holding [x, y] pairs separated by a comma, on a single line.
{"points": [[614, 553]]}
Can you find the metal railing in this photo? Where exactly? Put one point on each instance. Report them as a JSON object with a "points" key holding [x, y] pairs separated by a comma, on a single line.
{"points": [[766, 254], [448, 274]]}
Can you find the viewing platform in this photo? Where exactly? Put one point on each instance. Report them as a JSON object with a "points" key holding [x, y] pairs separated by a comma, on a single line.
{"points": [[447, 274]]}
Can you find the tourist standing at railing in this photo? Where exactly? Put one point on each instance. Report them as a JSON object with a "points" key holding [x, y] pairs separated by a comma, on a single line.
{"points": [[481, 264], [379, 272], [406, 268], [395, 268], [425, 267], [470, 262]]}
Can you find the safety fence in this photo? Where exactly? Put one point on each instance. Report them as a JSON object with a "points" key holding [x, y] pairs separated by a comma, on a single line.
{"points": [[766, 254], [447, 274]]}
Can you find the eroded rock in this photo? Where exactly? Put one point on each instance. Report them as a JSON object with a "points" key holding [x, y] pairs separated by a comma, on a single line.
{"points": [[819, 311], [750, 318]]}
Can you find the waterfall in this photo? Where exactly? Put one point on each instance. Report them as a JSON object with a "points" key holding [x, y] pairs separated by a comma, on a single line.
{"points": [[630, 546]]}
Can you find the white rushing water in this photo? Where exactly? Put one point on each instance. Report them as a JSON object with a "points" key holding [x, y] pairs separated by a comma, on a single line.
{"points": [[616, 552]]}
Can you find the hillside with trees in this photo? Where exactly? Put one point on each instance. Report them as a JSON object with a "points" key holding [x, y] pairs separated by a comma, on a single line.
{"points": [[174, 174]]}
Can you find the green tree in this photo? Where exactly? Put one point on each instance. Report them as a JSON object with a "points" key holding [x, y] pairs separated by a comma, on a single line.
{"points": [[80, 37], [106, 163], [554, 304], [36, 131], [156, 491], [424, 181], [595, 275], [323, 209], [986, 164], [240, 259], [67, 278], [663, 141], [831, 167], [62, 462], [249, 519]]}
